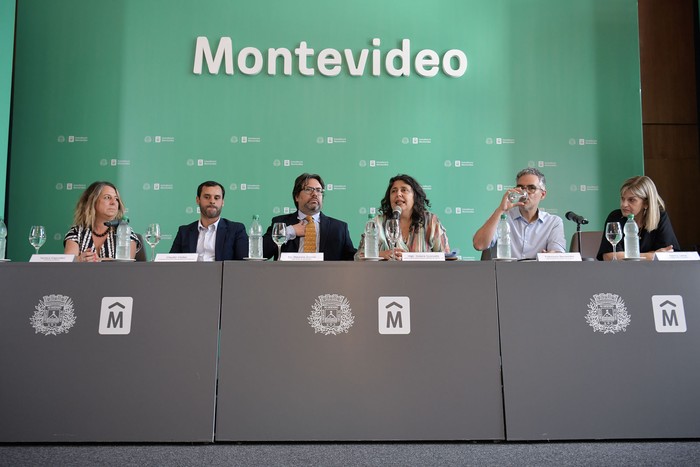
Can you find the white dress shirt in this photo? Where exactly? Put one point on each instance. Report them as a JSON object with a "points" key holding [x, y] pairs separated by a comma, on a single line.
{"points": [[206, 242]]}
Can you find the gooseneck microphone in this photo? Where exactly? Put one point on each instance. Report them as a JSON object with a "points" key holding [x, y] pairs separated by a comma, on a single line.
{"points": [[397, 212], [576, 218], [112, 223]]}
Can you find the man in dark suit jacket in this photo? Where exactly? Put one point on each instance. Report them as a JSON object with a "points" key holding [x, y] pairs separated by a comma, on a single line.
{"points": [[333, 236], [212, 237]]}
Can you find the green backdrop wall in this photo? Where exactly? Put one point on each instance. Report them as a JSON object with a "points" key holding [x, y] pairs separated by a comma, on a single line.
{"points": [[107, 90], [7, 35]]}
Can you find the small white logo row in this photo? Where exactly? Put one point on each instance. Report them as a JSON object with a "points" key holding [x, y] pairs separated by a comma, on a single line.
{"points": [[607, 313], [331, 314], [55, 314]]}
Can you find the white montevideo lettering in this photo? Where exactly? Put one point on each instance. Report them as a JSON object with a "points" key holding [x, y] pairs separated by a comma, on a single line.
{"points": [[329, 62]]}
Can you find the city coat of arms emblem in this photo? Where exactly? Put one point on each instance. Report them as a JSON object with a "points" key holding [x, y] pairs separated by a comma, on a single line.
{"points": [[607, 313], [331, 314], [54, 315]]}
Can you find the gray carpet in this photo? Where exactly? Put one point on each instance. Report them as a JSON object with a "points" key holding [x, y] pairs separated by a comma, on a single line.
{"points": [[664, 453]]}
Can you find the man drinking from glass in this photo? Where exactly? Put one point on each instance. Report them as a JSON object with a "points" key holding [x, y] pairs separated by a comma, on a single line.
{"points": [[532, 230]]}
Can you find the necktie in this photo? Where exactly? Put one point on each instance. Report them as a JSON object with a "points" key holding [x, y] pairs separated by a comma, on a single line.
{"points": [[310, 236]]}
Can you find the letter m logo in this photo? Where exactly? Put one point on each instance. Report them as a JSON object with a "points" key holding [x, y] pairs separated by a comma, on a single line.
{"points": [[394, 315], [669, 315], [115, 315]]}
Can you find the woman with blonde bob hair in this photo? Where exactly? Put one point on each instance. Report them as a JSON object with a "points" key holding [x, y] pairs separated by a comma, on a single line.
{"points": [[638, 196], [89, 238]]}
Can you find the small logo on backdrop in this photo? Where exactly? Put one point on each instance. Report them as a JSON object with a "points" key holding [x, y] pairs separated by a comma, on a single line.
{"points": [[115, 315], [607, 313], [331, 314], [54, 315], [669, 314], [394, 315]]}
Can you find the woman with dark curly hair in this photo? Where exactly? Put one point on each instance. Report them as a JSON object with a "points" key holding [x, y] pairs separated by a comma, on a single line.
{"points": [[420, 229]]}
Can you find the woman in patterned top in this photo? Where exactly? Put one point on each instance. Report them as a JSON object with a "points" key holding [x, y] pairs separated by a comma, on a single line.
{"points": [[420, 229], [89, 239]]}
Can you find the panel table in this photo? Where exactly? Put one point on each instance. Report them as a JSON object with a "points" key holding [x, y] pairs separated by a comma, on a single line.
{"points": [[280, 379], [62, 380], [596, 350]]}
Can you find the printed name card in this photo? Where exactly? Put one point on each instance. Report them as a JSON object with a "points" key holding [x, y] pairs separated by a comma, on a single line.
{"points": [[176, 257], [302, 257], [575, 256], [423, 256], [51, 258], [676, 256]]}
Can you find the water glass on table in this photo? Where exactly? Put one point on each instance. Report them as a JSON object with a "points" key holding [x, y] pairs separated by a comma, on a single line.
{"points": [[279, 236], [152, 238], [37, 237], [613, 233]]}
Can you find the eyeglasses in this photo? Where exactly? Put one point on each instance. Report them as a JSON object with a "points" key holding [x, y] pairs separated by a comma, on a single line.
{"points": [[309, 190], [530, 188]]}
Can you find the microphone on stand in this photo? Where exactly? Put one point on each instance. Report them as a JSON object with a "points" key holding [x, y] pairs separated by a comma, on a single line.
{"points": [[397, 212], [112, 223], [579, 220], [576, 218]]}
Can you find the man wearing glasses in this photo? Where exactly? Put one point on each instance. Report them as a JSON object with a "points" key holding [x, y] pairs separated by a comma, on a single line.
{"points": [[532, 230], [308, 229]]}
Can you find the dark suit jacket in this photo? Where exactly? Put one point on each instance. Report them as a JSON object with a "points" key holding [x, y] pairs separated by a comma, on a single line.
{"points": [[335, 242], [231, 240]]}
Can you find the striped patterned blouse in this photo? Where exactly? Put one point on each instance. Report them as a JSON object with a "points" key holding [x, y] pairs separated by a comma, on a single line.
{"points": [[83, 237]]}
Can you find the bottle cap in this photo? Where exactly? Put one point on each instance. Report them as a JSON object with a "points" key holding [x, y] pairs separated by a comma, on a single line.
{"points": [[630, 216], [503, 216]]}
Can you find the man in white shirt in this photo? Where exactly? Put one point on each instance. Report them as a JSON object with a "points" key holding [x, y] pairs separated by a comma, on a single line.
{"points": [[532, 230], [212, 237]]}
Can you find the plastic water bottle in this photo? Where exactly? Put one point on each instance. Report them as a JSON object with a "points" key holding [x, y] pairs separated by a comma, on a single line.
{"points": [[631, 238], [371, 239], [123, 239], [503, 230], [255, 249], [3, 238]]}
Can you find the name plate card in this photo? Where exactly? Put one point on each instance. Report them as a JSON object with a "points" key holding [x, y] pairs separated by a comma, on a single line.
{"points": [[51, 258], [176, 257], [302, 257], [676, 256], [423, 256], [575, 256]]}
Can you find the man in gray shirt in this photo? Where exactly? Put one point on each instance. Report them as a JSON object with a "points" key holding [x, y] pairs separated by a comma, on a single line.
{"points": [[532, 230]]}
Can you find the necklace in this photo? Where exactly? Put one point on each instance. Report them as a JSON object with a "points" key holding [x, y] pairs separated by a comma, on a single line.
{"points": [[102, 234]]}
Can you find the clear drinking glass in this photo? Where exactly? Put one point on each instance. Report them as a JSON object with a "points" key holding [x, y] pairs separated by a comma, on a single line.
{"points": [[279, 236], [37, 236], [517, 196], [613, 232], [393, 233], [152, 238]]}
